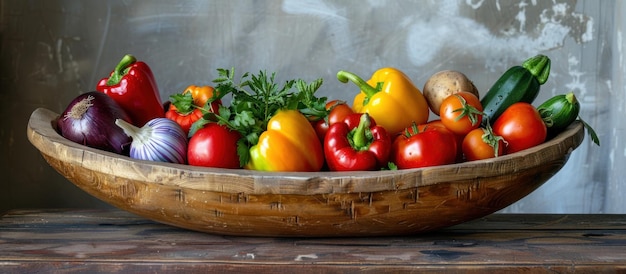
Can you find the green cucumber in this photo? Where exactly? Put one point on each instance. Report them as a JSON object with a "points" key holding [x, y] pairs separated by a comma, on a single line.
{"points": [[559, 111], [517, 84]]}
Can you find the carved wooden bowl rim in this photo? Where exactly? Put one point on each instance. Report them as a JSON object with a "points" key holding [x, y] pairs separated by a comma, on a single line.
{"points": [[45, 138]]}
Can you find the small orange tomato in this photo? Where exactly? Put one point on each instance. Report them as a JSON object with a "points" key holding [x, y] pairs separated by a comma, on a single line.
{"points": [[481, 143], [461, 112]]}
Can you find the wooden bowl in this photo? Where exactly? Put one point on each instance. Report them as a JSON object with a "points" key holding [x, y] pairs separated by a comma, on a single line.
{"points": [[304, 204]]}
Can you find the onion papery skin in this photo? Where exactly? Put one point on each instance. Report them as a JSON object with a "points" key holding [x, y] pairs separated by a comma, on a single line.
{"points": [[94, 124], [160, 139]]}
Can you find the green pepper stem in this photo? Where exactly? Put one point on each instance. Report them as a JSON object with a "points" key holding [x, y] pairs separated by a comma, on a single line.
{"points": [[359, 139], [120, 69], [345, 76]]}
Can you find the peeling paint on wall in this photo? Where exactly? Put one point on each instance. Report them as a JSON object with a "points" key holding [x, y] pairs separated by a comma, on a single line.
{"points": [[449, 29]]}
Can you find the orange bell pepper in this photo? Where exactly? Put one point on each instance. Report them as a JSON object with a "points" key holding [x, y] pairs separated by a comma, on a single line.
{"points": [[289, 144], [390, 97], [201, 94]]}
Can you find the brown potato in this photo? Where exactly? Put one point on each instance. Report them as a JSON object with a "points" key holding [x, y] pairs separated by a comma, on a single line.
{"points": [[443, 84]]}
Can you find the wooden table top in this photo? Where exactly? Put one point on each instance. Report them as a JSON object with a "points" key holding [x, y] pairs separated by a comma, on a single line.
{"points": [[117, 241]]}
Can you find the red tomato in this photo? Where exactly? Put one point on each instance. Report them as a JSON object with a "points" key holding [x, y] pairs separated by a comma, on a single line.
{"points": [[432, 147], [521, 127], [481, 144], [338, 111], [439, 123], [461, 112], [214, 145]]}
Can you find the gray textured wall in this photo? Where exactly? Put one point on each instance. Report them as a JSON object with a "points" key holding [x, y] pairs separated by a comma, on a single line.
{"points": [[53, 50]]}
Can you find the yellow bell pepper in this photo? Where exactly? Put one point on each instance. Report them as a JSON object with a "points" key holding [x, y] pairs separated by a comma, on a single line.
{"points": [[289, 144], [390, 98]]}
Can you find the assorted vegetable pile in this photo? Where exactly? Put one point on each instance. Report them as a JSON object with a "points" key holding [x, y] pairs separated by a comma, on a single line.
{"points": [[272, 126]]}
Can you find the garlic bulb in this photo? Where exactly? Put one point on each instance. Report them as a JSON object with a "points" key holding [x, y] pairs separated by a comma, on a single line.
{"points": [[160, 139]]}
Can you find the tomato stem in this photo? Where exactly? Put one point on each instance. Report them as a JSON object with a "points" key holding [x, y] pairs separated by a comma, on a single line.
{"points": [[468, 110], [491, 139]]}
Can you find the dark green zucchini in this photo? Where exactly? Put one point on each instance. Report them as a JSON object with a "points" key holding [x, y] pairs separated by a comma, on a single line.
{"points": [[517, 84]]}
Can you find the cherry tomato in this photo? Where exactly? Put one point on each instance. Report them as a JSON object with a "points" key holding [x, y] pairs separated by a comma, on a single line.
{"points": [[461, 112], [214, 145], [337, 112], [521, 127], [481, 144], [431, 147]]}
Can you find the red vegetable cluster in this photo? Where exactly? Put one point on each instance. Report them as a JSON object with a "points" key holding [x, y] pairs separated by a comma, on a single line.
{"points": [[225, 136]]}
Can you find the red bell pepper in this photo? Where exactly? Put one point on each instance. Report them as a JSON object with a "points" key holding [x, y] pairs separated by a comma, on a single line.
{"points": [[365, 146], [190, 106], [185, 120], [131, 84]]}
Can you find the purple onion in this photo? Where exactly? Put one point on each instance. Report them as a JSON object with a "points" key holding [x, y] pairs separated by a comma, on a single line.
{"points": [[160, 139], [89, 120]]}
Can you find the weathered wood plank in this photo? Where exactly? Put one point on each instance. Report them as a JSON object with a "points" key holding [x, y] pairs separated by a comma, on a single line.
{"points": [[103, 241]]}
